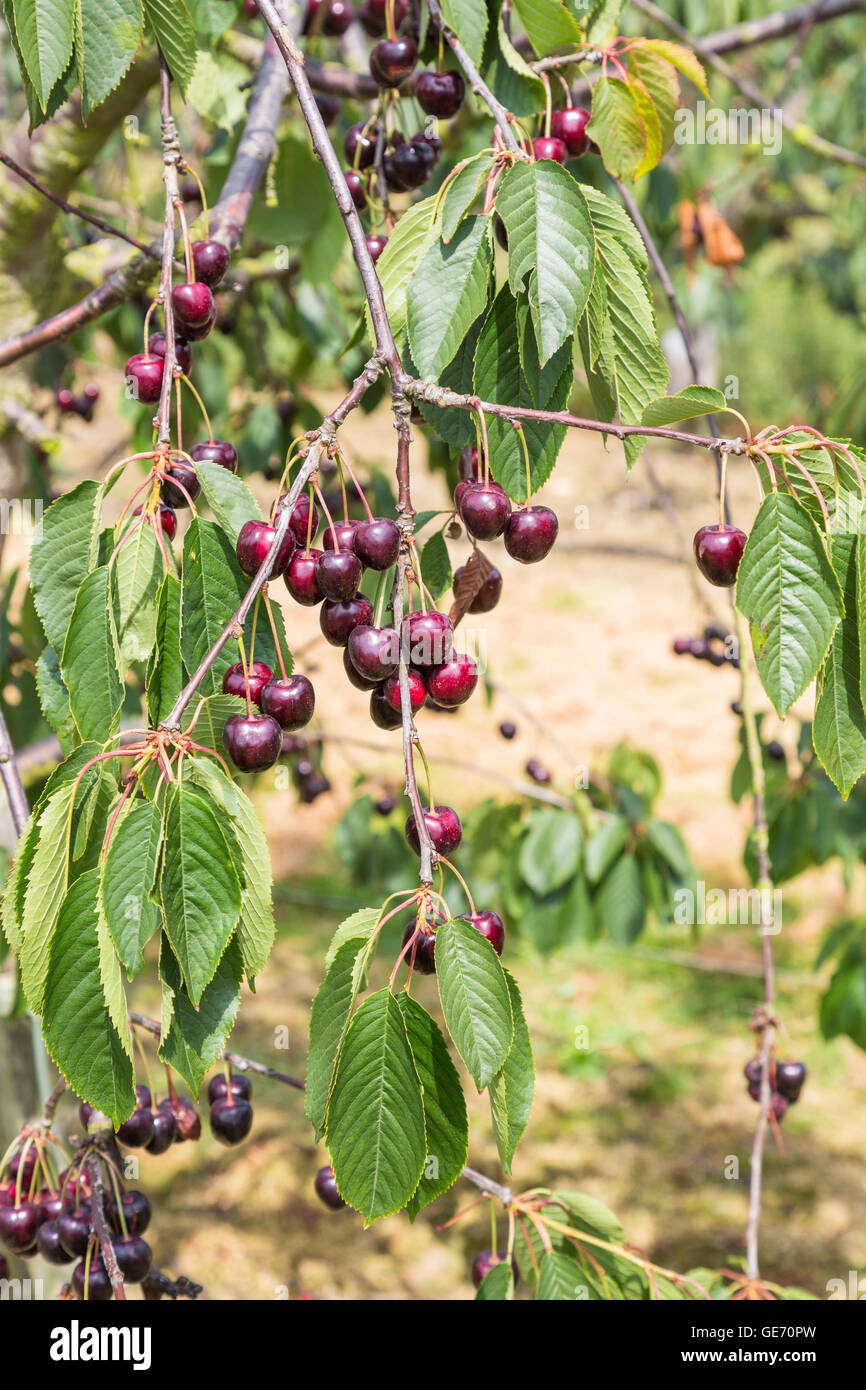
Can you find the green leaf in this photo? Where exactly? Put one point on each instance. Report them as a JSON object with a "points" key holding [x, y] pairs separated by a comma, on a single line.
{"points": [[15, 884], [513, 1087], [46, 886], [548, 25], [687, 404], [455, 426], [407, 245], [843, 1006], [361, 923], [90, 661], [497, 1285], [667, 842], [64, 551], [228, 497], [213, 587], [610, 219], [111, 975], [376, 1135], [791, 597], [165, 674], [551, 244], [128, 879], [589, 1215], [445, 1121], [683, 59], [201, 895], [839, 724], [618, 127], [197, 1035], [107, 36], [175, 33], [468, 20], [77, 1026], [659, 79], [54, 698], [551, 852], [464, 188], [605, 846], [45, 31], [509, 75], [137, 575], [475, 999], [560, 1279], [447, 293], [211, 720], [436, 565], [620, 901], [329, 1022]]}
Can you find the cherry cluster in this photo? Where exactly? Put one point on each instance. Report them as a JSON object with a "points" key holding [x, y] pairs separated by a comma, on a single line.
{"points": [[711, 647], [786, 1083], [155, 1127], [69, 404], [484, 507]]}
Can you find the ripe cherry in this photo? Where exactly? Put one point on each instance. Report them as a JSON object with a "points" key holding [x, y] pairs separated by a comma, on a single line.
{"points": [[300, 520], [326, 1188], [252, 741], [409, 166], [49, 1246], [440, 93], [376, 245], [789, 1079], [137, 1131], [488, 595], [143, 373], [549, 147], [18, 1227], [339, 574], [136, 1211], [195, 334], [338, 620], [235, 682], [357, 191], [538, 772], [182, 350], [73, 1230], [92, 1282], [65, 400], [231, 1120], [569, 126], [377, 543], [530, 534], [778, 1106], [373, 15], [291, 701], [193, 304], [417, 691], [181, 485], [485, 1260], [373, 652], [345, 536], [428, 636], [382, 712], [359, 146], [186, 1118], [490, 925], [428, 137], [211, 261], [485, 510], [254, 542], [216, 451], [443, 827], [392, 60], [451, 684], [718, 551], [134, 1257], [300, 577], [353, 674], [336, 19], [218, 1087], [424, 950], [164, 1131], [753, 1071]]}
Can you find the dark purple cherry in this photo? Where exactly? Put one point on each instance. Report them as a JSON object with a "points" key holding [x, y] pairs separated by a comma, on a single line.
{"points": [[216, 451], [538, 772], [181, 484], [193, 304], [211, 261], [339, 574], [409, 166], [428, 636], [549, 147], [329, 107], [134, 1257], [377, 543], [291, 701], [73, 1230], [235, 682], [186, 1118], [143, 373], [326, 1188], [218, 1087], [353, 674], [167, 520], [195, 334], [357, 191], [789, 1079], [137, 1131], [92, 1282], [136, 1211], [182, 350], [530, 534], [338, 620], [443, 827], [417, 691], [300, 577], [253, 742], [231, 1120], [359, 139], [428, 137], [485, 1260], [718, 551], [753, 1071], [392, 60], [26, 1160], [254, 542], [424, 949], [374, 652], [383, 714], [490, 925], [336, 19], [778, 1106], [440, 93], [451, 684], [65, 400], [385, 805], [569, 126], [488, 595], [48, 1244], [164, 1131], [345, 536], [376, 245], [485, 510], [300, 520], [18, 1227]]}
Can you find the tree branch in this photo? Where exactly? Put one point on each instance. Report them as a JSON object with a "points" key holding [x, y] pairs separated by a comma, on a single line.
{"points": [[97, 222], [779, 25], [15, 793]]}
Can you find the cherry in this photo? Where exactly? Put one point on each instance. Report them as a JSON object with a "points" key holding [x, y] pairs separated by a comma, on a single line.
{"points": [[549, 147], [753, 1071], [453, 682], [211, 261], [73, 1230], [235, 682], [789, 1079], [7, 1194], [65, 400], [186, 1118], [377, 542], [357, 191], [385, 805], [338, 620], [443, 827], [291, 701], [538, 772], [49, 1246], [569, 126], [335, 21], [488, 595], [252, 741], [440, 93], [778, 1106], [329, 107], [359, 146], [143, 373], [382, 712], [137, 1131], [372, 15], [409, 166], [18, 1227], [182, 350], [314, 786], [27, 1159], [775, 751], [300, 520], [376, 245], [133, 1256], [95, 1280], [425, 950], [530, 534], [718, 551], [392, 60], [417, 691], [231, 1120], [485, 510], [195, 335], [485, 1260], [164, 1131], [216, 451], [301, 580], [373, 652], [193, 304], [326, 1188], [136, 1211], [218, 1087], [490, 925], [339, 574], [254, 542], [345, 535], [167, 520], [429, 637], [353, 674], [181, 485]]}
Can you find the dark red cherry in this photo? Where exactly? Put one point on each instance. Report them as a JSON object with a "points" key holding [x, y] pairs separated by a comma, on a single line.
{"points": [[392, 60], [300, 520], [409, 166], [291, 701], [329, 107], [182, 350], [326, 1188], [778, 1106], [488, 595], [181, 485], [18, 1227], [753, 1071], [485, 510], [338, 620], [300, 577], [538, 772], [451, 684], [253, 742], [92, 1282], [490, 925], [373, 13], [339, 574], [164, 1131], [440, 93], [443, 827], [144, 377], [167, 520], [485, 1260], [254, 542], [530, 534], [549, 147], [428, 137], [73, 1230], [235, 683], [417, 691], [718, 551], [424, 948], [428, 637], [231, 1120], [137, 1131], [357, 191], [377, 543], [789, 1079], [353, 674], [195, 334], [211, 261], [345, 533], [382, 713], [359, 146], [48, 1244], [64, 399], [374, 652], [218, 1087], [193, 304], [186, 1118], [337, 17], [133, 1257], [569, 126], [376, 245], [216, 451], [136, 1211], [24, 1160]]}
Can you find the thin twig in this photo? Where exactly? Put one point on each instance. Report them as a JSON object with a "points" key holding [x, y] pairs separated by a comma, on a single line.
{"points": [[97, 222], [100, 1226]]}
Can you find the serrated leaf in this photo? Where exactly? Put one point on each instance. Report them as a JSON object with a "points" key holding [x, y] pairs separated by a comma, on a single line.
{"points": [[513, 1087], [589, 1214], [175, 33], [683, 59], [201, 894], [45, 31], [329, 1022], [77, 1026], [211, 719], [475, 999], [548, 25], [468, 20], [839, 724], [461, 193], [407, 245], [560, 1279], [447, 293], [791, 597], [15, 885], [509, 75], [54, 699], [652, 129], [46, 886], [454, 426], [436, 565], [196, 1035], [611, 219], [618, 127], [687, 404], [137, 574], [165, 674], [127, 881], [361, 923], [376, 1135], [113, 991], [90, 664], [659, 79], [228, 497], [445, 1121], [213, 586], [62, 554], [551, 852], [108, 33], [497, 1285]]}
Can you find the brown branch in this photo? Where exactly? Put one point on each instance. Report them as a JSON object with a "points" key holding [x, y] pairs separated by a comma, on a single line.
{"points": [[15, 793], [779, 25], [150, 1025], [74, 211], [100, 1226], [171, 159]]}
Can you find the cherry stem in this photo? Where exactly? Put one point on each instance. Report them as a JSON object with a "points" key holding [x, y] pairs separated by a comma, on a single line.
{"points": [[187, 246], [723, 479], [548, 103], [310, 520], [519, 429], [143, 1057], [330, 520], [186, 381], [242, 650], [422, 756], [256, 607], [461, 880], [273, 625], [341, 458], [379, 603], [202, 196], [338, 460]]}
